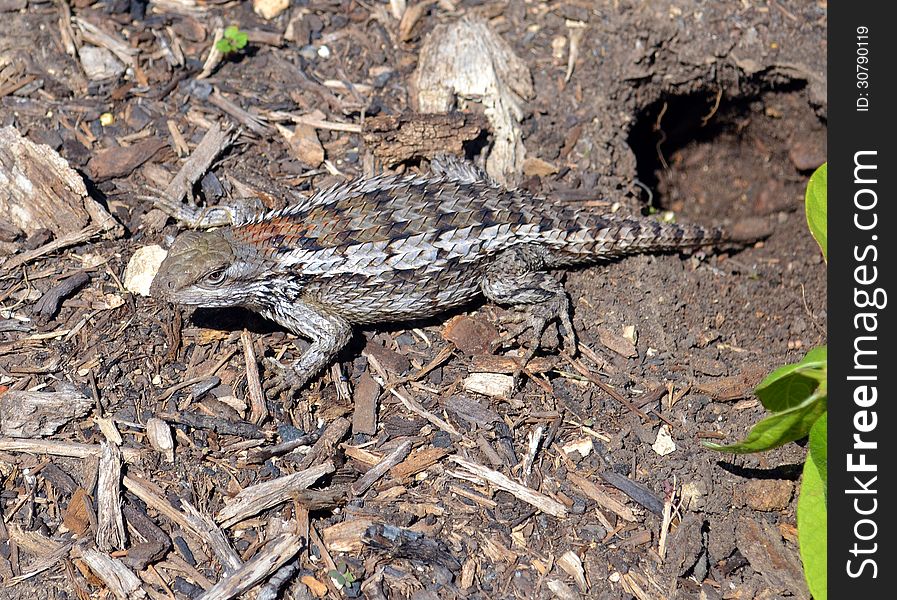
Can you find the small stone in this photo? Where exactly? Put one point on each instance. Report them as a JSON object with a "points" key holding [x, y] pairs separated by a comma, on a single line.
{"points": [[142, 268], [536, 167], [664, 443], [99, 63], [617, 343], [768, 494], [269, 9], [806, 155]]}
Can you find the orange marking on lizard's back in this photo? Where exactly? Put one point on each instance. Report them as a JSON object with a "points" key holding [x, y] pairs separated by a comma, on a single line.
{"points": [[289, 231]]}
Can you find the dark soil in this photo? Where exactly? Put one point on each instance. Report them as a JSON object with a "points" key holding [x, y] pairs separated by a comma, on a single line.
{"points": [[718, 109]]}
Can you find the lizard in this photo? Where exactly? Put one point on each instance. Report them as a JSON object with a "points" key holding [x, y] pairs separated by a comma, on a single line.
{"points": [[394, 248]]}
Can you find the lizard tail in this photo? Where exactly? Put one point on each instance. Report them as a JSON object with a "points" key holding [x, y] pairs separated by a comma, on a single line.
{"points": [[612, 236]]}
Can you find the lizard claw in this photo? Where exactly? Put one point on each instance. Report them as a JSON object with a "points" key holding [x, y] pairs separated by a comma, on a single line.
{"points": [[536, 320], [283, 378]]}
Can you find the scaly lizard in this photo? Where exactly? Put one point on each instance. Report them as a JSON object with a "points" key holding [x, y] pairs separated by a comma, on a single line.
{"points": [[397, 248]]}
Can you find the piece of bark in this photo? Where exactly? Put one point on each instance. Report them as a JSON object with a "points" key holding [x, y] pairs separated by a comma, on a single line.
{"points": [[779, 563], [380, 469], [110, 163], [635, 490], [603, 499], [254, 499], [503, 482], [471, 335], [397, 138], [326, 444], [118, 578], [304, 144], [346, 536], [491, 363], [159, 435], [68, 449], [260, 455], [78, 515], [467, 59], [40, 414], [41, 191], [265, 562], [157, 541], [418, 461], [364, 417], [617, 343], [110, 524], [258, 410], [49, 303]]}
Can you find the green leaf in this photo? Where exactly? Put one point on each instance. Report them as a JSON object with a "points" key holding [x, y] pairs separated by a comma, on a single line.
{"points": [[812, 531], [816, 206], [789, 385], [819, 448], [223, 46], [231, 32], [240, 39], [779, 428]]}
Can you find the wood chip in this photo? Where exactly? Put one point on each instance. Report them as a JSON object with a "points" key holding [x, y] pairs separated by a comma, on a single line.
{"points": [[490, 363], [118, 578], [471, 335], [159, 435], [779, 564], [570, 562], [265, 562], [110, 523], [617, 343], [111, 163], [489, 384], [41, 190], [254, 499], [77, 517], [69, 449], [269, 9], [398, 138], [197, 524], [380, 469], [346, 536], [304, 144], [503, 482], [142, 268], [664, 443], [40, 414], [468, 59], [603, 499], [364, 416], [418, 461], [536, 167], [258, 406]]}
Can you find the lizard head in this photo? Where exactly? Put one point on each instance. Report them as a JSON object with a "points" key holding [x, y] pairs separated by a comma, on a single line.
{"points": [[199, 271]]}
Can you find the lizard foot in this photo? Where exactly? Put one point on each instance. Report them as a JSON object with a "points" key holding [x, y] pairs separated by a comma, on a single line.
{"points": [[283, 378], [535, 318]]}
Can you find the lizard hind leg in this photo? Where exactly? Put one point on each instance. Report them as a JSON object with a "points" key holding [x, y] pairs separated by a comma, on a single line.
{"points": [[516, 278]]}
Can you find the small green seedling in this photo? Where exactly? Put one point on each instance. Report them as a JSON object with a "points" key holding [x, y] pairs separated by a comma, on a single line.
{"points": [[234, 40]]}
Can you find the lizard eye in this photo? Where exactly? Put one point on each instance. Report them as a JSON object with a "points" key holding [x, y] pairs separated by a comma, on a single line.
{"points": [[216, 277]]}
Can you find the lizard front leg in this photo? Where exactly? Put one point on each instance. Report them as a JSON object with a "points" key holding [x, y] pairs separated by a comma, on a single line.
{"points": [[329, 333]]}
